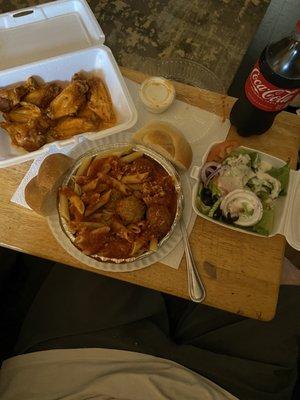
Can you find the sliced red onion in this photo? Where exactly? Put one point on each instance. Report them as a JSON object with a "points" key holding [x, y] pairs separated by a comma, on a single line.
{"points": [[213, 175], [209, 170]]}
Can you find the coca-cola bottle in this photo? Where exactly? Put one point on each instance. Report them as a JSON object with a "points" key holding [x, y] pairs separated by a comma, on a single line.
{"points": [[273, 82]]}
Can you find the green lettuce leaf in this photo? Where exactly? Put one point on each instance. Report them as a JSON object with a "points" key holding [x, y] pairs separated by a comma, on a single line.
{"points": [[265, 225], [282, 174], [254, 156], [214, 207], [214, 188], [200, 205], [255, 159]]}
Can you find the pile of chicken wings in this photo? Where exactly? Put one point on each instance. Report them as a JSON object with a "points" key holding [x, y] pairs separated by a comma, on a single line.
{"points": [[36, 113]]}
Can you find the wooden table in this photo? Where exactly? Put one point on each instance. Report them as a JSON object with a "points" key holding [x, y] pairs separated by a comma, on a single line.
{"points": [[241, 273]]}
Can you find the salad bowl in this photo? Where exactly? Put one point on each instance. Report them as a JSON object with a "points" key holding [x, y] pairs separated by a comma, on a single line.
{"points": [[262, 186]]}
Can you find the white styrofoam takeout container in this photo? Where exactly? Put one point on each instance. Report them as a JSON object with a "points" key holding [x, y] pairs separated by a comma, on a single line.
{"points": [[287, 208], [53, 41]]}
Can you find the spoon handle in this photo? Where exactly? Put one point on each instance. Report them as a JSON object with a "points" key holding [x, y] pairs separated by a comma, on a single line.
{"points": [[195, 285]]}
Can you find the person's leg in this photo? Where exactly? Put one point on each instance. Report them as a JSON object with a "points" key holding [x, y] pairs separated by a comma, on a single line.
{"points": [[251, 359], [73, 304], [20, 279]]}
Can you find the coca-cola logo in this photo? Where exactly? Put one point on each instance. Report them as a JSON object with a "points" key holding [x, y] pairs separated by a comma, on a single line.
{"points": [[273, 96]]}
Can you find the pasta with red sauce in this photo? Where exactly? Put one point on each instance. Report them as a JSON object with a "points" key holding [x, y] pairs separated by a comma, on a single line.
{"points": [[119, 206]]}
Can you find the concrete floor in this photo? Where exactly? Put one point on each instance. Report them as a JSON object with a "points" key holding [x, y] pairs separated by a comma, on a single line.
{"points": [[215, 33]]}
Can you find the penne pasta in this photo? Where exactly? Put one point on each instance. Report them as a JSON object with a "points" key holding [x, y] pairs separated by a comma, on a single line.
{"points": [[136, 186], [153, 244], [102, 230], [80, 240], [102, 217], [123, 151], [141, 224], [118, 185], [77, 203], [102, 201], [91, 185], [132, 156], [81, 180], [136, 178], [120, 229], [105, 167], [84, 166], [74, 199], [137, 246], [103, 155], [77, 189], [83, 224], [64, 207], [94, 167], [101, 187], [134, 228], [118, 153]]}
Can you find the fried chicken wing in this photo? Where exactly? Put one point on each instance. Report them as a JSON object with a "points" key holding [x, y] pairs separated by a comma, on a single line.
{"points": [[69, 127], [24, 113], [43, 95], [100, 101], [37, 113], [30, 136], [79, 76], [11, 96], [90, 115], [69, 101], [30, 84]]}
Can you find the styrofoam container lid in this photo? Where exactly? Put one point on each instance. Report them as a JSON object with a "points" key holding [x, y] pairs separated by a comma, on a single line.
{"points": [[54, 41], [291, 228], [287, 208], [47, 30]]}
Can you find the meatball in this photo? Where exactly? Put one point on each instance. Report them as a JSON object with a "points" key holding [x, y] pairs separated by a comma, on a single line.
{"points": [[130, 209], [115, 196], [159, 219]]}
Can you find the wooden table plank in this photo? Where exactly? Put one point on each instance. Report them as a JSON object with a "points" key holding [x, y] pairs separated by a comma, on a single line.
{"points": [[241, 272]]}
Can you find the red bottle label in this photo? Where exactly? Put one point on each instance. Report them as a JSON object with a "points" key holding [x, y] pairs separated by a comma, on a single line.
{"points": [[262, 94]]}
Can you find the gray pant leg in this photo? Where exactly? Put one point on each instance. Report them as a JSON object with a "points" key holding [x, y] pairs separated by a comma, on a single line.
{"points": [[252, 359], [72, 302]]}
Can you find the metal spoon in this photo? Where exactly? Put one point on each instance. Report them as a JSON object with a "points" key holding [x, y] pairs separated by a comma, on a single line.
{"points": [[195, 285]]}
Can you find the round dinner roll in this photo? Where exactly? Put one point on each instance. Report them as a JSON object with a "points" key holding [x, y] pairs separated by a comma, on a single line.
{"points": [[37, 197], [41, 189], [52, 168], [168, 141]]}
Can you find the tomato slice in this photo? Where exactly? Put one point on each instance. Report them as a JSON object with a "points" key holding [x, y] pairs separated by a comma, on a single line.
{"points": [[221, 150]]}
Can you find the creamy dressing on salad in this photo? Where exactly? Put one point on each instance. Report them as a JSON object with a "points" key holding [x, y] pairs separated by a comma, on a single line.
{"points": [[264, 181], [243, 204], [235, 174], [241, 190]]}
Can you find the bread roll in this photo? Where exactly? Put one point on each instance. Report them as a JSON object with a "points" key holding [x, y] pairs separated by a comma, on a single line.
{"points": [[168, 141], [52, 168], [37, 197], [40, 190]]}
